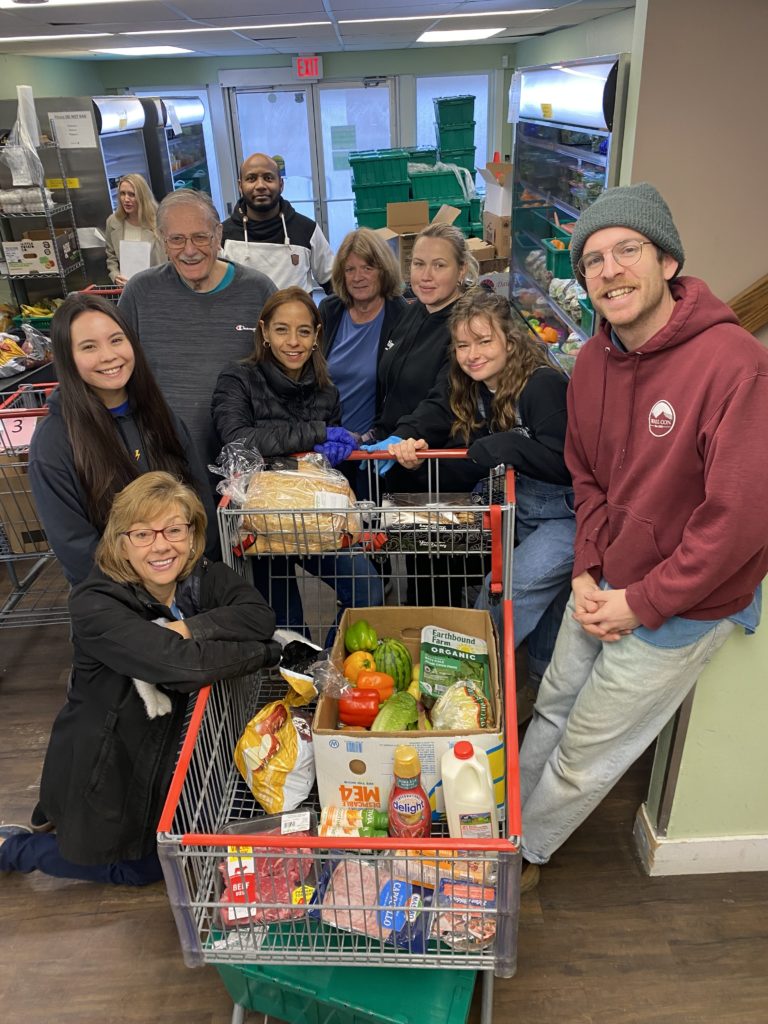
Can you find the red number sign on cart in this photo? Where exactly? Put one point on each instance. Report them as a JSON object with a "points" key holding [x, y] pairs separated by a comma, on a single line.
{"points": [[16, 432]]}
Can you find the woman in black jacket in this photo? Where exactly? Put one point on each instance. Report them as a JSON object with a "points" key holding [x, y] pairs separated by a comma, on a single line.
{"points": [[114, 744], [108, 423], [279, 402], [508, 405], [357, 323]]}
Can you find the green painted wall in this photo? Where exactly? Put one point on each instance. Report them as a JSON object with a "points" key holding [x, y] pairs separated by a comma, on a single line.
{"points": [[49, 76], [722, 782], [200, 71], [611, 34]]}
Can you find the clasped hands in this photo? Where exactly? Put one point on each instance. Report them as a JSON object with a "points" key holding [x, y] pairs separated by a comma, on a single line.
{"points": [[604, 614]]}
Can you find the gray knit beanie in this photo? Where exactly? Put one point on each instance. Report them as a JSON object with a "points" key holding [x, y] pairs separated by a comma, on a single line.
{"points": [[639, 207]]}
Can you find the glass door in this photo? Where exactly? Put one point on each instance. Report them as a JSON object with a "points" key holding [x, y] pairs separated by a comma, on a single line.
{"points": [[314, 128]]}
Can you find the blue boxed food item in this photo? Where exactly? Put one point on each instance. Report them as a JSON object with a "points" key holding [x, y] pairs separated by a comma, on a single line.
{"points": [[360, 896]]}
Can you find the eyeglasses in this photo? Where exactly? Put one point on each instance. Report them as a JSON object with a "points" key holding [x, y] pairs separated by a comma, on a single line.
{"points": [[626, 254], [144, 538], [200, 240]]}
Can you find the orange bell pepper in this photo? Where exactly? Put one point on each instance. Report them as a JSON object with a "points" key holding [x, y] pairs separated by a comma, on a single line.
{"points": [[355, 663], [381, 682]]}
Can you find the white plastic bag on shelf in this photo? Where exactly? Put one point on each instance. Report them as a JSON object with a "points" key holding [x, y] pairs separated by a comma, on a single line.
{"points": [[20, 156]]}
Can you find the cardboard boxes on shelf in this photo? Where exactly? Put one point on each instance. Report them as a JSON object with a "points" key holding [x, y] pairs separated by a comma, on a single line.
{"points": [[354, 769], [485, 254], [497, 230], [37, 253]]}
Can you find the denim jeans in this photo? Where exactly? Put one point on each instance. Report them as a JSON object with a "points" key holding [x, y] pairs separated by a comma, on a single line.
{"points": [[40, 852], [545, 529], [351, 574], [599, 707]]}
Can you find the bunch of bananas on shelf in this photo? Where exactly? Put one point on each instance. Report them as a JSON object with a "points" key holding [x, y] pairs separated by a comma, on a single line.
{"points": [[45, 307]]}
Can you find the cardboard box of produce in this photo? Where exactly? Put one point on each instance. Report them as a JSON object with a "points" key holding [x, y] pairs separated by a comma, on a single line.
{"points": [[18, 515], [481, 250], [405, 221], [498, 188], [498, 231], [354, 769], [37, 253]]}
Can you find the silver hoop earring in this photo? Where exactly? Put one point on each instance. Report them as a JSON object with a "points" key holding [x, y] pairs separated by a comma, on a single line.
{"points": [[314, 346]]}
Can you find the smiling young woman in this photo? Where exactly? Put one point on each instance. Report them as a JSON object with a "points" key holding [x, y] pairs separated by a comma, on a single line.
{"points": [[108, 423]]}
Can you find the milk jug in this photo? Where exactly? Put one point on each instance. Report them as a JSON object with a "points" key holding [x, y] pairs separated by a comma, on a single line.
{"points": [[470, 805]]}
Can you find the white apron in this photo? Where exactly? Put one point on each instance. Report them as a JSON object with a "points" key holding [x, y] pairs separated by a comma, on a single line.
{"points": [[284, 264]]}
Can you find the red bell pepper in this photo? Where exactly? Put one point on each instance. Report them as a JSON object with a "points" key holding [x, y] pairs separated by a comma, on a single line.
{"points": [[358, 707], [381, 682]]}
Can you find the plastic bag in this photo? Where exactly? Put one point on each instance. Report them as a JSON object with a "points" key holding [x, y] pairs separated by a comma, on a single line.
{"points": [[299, 506], [37, 347], [20, 156], [12, 357], [462, 706], [237, 464], [275, 757]]}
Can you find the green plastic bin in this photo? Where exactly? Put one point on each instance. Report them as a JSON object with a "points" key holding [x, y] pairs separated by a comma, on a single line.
{"points": [[423, 155], [476, 208], [455, 136], [371, 218], [436, 185], [462, 157], [42, 323], [375, 166], [587, 316], [558, 260], [475, 228], [376, 197], [454, 109], [351, 995], [462, 221], [532, 218]]}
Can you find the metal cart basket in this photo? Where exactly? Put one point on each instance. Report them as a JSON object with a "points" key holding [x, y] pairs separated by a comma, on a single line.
{"points": [[33, 591], [464, 894]]}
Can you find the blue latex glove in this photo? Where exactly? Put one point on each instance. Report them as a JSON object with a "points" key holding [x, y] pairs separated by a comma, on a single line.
{"points": [[383, 467], [338, 445]]}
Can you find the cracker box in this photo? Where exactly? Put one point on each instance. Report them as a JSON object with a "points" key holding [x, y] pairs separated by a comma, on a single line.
{"points": [[354, 769]]}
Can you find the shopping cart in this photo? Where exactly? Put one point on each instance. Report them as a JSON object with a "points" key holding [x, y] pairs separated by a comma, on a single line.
{"points": [[281, 922], [33, 591], [112, 292]]}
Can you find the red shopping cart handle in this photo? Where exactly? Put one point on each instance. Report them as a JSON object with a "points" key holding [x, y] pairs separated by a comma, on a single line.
{"points": [[369, 541], [245, 542]]}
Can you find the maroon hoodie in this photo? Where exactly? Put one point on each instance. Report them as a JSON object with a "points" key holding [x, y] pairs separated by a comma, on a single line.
{"points": [[668, 448]]}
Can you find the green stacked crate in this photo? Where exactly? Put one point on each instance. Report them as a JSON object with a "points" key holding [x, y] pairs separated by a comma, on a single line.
{"points": [[451, 137], [375, 166], [460, 157], [475, 229], [476, 209], [371, 218], [423, 155], [443, 185], [376, 197], [454, 109]]}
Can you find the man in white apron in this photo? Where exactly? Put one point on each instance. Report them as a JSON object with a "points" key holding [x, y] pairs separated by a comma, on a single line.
{"points": [[266, 232]]}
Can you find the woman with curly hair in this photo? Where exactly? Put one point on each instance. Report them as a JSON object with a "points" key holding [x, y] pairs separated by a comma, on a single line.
{"points": [[508, 406]]}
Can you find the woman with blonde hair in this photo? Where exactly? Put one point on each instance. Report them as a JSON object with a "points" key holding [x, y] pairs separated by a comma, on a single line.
{"points": [[134, 220], [153, 623], [357, 321], [413, 372]]}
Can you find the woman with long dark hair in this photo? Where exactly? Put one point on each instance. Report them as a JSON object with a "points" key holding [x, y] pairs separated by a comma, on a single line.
{"points": [[108, 423], [508, 406]]}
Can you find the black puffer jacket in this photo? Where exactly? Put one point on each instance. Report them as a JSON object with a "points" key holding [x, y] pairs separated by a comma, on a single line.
{"points": [[262, 407], [108, 764]]}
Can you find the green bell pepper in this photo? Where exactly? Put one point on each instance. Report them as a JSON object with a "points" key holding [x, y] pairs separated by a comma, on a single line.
{"points": [[360, 636]]}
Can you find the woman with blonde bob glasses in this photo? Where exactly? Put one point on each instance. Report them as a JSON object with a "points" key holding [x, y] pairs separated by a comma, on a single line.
{"points": [[153, 623], [357, 322], [507, 405], [134, 220]]}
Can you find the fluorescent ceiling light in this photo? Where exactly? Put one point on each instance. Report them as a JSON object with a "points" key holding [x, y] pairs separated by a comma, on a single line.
{"points": [[224, 28], [34, 39], [443, 17], [458, 35], [143, 51]]}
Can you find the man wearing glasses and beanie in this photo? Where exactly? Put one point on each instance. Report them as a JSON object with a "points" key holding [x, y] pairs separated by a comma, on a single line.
{"points": [[667, 433], [187, 311]]}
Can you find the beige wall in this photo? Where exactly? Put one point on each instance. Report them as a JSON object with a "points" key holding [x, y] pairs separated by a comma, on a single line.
{"points": [[701, 132], [611, 34], [49, 76]]}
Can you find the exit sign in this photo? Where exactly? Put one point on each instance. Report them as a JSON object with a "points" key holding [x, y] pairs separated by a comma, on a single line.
{"points": [[308, 67]]}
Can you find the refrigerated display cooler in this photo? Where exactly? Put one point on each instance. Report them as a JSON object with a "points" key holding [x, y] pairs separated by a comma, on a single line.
{"points": [[568, 132], [173, 136]]}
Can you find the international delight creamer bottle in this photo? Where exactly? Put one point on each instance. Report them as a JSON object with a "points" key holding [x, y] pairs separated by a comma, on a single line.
{"points": [[410, 815]]}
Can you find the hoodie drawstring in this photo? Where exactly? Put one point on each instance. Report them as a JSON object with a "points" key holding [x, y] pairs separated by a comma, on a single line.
{"points": [[606, 350], [631, 410]]}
